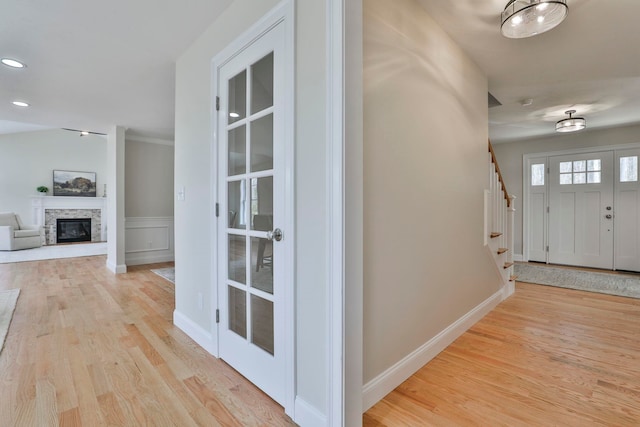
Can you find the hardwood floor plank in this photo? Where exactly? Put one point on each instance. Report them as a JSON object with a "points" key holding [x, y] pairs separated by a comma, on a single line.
{"points": [[546, 356], [90, 348]]}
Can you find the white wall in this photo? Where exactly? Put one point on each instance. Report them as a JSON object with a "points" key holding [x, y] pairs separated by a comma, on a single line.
{"points": [[425, 170], [193, 168], [149, 179], [149, 222], [27, 161], [510, 155]]}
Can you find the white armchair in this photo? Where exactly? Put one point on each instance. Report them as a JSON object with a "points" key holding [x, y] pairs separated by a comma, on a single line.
{"points": [[15, 235]]}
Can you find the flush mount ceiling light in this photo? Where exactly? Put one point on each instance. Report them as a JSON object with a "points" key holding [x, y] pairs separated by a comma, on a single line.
{"points": [[12, 63], [20, 104], [572, 124], [526, 18]]}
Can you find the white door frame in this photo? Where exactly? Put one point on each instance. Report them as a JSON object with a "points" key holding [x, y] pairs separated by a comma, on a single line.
{"points": [[526, 181], [284, 14]]}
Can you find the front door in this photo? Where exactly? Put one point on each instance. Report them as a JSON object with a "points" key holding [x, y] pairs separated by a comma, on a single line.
{"points": [[581, 210], [252, 236]]}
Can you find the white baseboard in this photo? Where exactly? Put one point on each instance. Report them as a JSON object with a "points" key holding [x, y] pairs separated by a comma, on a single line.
{"points": [[518, 257], [116, 269], [384, 383], [196, 332], [148, 258], [307, 415]]}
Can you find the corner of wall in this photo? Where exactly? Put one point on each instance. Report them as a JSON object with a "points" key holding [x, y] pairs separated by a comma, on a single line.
{"points": [[201, 336], [384, 383]]}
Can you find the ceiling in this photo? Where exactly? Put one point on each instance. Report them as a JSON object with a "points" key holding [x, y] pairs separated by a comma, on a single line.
{"points": [[93, 64], [590, 63]]}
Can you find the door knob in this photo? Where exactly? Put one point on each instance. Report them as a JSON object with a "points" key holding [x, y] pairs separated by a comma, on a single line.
{"points": [[608, 216], [275, 235]]}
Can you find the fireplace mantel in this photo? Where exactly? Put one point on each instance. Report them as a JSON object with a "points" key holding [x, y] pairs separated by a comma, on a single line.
{"points": [[41, 203]]}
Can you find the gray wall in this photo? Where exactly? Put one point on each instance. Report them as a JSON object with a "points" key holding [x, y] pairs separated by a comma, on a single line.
{"points": [[193, 170], [510, 156], [148, 179], [27, 161], [425, 170]]}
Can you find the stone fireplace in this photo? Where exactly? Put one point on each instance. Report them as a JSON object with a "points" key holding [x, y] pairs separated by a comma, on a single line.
{"points": [[52, 216], [46, 210]]}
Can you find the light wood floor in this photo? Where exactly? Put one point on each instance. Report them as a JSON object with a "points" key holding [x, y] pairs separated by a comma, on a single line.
{"points": [[88, 348], [544, 357]]}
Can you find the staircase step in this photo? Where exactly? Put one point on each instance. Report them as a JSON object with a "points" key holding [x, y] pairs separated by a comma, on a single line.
{"points": [[495, 234], [513, 278], [507, 265], [502, 250]]}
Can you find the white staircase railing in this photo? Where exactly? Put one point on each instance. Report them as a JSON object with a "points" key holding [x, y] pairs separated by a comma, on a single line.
{"points": [[499, 224]]}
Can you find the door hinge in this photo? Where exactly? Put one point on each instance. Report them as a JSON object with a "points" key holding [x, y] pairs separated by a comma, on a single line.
{"points": [[547, 209], [217, 210], [217, 103], [548, 170], [217, 315], [547, 248]]}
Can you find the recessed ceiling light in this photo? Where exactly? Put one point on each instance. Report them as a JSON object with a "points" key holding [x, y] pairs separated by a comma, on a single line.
{"points": [[84, 133], [12, 63], [20, 104]]}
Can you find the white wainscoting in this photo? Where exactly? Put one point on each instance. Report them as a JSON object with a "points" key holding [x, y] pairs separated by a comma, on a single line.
{"points": [[148, 240]]}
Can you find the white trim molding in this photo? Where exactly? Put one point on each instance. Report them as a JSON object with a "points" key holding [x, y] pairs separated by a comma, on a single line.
{"points": [[384, 383], [309, 416], [336, 217], [149, 240], [201, 336]]}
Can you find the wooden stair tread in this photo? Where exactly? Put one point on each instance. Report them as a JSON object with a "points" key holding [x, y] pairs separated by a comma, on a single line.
{"points": [[502, 250], [513, 278], [495, 234], [507, 265]]}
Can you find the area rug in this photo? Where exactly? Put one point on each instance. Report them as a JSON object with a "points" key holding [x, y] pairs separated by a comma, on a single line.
{"points": [[8, 301], [621, 284], [168, 273]]}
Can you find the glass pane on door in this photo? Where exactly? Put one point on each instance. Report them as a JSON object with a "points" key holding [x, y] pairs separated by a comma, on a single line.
{"points": [[262, 144], [238, 311], [237, 97], [262, 203], [262, 264], [237, 150], [236, 199], [262, 84], [237, 259], [262, 323]]}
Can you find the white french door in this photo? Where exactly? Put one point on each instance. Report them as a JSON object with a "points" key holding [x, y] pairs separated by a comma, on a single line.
{"points": [[581, 209], [252, 234]]}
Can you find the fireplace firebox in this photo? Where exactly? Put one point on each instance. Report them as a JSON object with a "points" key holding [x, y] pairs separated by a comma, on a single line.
{"points": [[70, 230]]}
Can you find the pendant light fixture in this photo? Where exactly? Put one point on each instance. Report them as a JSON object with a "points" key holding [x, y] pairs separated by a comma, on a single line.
{"points": [[572, 124], [526, 18]]}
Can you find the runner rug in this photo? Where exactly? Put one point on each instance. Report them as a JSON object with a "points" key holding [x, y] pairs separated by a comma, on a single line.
{"points": [[8, 300], [621, 284]]}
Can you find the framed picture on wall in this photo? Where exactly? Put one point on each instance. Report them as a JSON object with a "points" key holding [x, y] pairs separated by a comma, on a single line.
{"points": [[70, 183]]}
